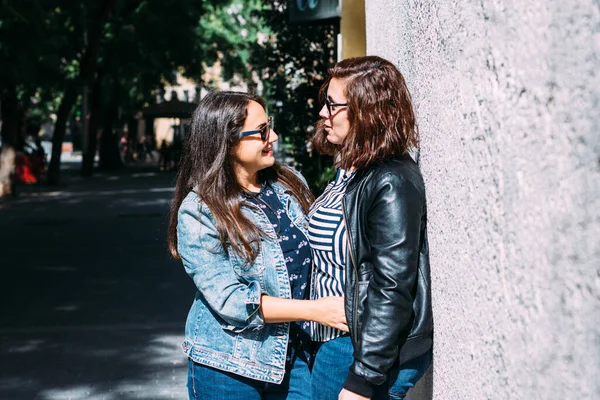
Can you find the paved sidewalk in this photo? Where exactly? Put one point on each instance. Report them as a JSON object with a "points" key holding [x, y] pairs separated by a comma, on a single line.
{"points": [[91, 304]]}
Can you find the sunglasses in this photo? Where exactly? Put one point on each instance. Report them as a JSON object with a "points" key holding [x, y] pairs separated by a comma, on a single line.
{"points": [[264, 131]]}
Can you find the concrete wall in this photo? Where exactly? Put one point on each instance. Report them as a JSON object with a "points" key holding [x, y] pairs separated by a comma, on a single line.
{"points": [[507, 95]]}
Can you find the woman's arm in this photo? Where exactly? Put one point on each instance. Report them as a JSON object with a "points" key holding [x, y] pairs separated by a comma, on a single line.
{"points": [[326, 311], [242, 306], [237, 303]]}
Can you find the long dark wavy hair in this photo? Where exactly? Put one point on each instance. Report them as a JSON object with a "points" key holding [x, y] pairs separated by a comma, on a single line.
{"points": [[207, 167], [380, 112]]}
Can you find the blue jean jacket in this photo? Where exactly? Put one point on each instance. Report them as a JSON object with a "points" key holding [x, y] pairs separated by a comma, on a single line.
{"points": [[225, 328]]}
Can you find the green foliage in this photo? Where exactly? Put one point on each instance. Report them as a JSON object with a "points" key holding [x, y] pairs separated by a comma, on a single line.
{"points": [[228, 33], [293, 62], [37, 47], [143, 44], [255, 40], [144, 47]]}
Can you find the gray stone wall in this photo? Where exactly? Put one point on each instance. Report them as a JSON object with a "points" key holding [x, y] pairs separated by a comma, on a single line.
{"points": [[507, 96]]}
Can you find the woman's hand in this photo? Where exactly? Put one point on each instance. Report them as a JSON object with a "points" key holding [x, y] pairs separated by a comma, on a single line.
{"points": [[329, 311], [348, 395]]}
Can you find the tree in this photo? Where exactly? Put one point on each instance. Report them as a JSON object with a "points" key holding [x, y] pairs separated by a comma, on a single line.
{"points": [[142, 50], [293, 62], [256, 41], [88, 63], [125, 51], [32, 45], [59, 47]]}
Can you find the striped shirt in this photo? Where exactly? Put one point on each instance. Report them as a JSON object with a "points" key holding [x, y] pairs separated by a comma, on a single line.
{"points": [[328, 242]]}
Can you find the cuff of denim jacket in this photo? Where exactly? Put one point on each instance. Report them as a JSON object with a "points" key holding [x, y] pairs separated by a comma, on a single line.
{"points": [[255, 318], [359, 385]]}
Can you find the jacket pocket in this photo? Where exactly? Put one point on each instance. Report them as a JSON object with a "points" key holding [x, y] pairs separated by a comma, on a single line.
{"points": [[363, 286]]}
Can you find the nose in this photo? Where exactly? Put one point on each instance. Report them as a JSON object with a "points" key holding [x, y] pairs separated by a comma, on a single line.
{"points": [[324, 113], [272, 136]]}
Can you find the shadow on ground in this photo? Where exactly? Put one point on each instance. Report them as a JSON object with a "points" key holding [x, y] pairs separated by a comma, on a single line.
{"points": [[91, 304]]}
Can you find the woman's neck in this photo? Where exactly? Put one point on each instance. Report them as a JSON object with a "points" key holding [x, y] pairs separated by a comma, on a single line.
{"points": [[248, 180], [338, 163]]}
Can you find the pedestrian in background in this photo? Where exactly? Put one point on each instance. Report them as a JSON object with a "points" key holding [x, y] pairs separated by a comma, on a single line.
{"points": [[238, 223], [368, 232], [164, 159]]}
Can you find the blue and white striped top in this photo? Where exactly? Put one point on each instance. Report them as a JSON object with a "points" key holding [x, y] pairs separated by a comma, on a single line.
{"points": [[328, 242]]}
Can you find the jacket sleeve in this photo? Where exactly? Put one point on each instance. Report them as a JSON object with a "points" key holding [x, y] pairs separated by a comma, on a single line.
{"points": [[205, 261], [393, 228]]}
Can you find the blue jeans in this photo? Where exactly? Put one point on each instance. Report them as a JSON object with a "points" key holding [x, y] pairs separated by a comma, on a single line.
{"points": [[334, 358], [206, 383]]}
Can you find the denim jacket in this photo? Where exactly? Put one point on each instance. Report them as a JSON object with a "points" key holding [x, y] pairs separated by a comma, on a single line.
{"points": [[225, 328]]}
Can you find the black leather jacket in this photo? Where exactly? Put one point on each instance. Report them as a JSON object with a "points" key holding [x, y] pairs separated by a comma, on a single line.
{"points": [[388, 296]]}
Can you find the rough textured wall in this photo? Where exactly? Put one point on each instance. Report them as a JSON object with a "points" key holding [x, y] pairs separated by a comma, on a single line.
{"points": [[507, 95]]}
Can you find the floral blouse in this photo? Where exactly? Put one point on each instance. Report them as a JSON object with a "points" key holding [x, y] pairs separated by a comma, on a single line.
{"points": [[294, 244]]}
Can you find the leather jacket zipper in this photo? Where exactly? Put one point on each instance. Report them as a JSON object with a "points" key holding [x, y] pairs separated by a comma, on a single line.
{"points": [[353, 262]]}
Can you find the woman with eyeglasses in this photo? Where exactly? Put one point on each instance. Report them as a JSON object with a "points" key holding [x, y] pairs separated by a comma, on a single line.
{"points": [[368, 233], [239, 226]]}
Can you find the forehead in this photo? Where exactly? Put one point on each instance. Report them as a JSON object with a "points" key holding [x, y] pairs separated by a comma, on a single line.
{"points": [[256, 114], [336, 90]]}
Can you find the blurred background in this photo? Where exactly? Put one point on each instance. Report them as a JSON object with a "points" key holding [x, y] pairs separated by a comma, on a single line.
{"points": [[112, 84], [95, 98]]}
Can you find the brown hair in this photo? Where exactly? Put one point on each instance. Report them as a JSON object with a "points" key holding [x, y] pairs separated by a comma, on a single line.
{"points": [[207, 167], [380, 112]]}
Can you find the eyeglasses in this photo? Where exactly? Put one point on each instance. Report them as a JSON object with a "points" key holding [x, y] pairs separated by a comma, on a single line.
{"points": [[330, 105], [264, 131]]}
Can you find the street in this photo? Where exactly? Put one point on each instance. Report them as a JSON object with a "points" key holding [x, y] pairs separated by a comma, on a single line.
{"points": [[91, 304]]}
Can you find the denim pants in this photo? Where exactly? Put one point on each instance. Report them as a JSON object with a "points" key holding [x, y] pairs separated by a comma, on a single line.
{"points": [[206, 383], [334, 358]]}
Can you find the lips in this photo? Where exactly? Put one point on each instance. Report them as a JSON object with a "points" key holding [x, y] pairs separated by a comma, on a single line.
{"points": [[268, 150]]}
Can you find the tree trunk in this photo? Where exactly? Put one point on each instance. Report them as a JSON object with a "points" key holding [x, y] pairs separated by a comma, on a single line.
{"points": [[10, 115], [132, 138], [87, 165], [87, 72], [66, 105], [10, 133], [110, 158]]}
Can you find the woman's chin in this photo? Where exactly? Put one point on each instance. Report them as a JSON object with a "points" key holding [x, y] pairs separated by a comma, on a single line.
{"points": [[268, 161], [333, 139]]}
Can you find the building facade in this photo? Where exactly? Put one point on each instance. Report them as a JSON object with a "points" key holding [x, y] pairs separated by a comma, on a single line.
{"points": [[507, 98]]}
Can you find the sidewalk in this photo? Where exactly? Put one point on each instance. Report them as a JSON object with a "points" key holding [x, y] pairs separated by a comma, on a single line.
{"points": [[92, 306]]}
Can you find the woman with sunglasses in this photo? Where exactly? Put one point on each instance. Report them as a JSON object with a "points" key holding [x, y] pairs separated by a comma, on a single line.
{"points": [[238, 224], [368, 236]]}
